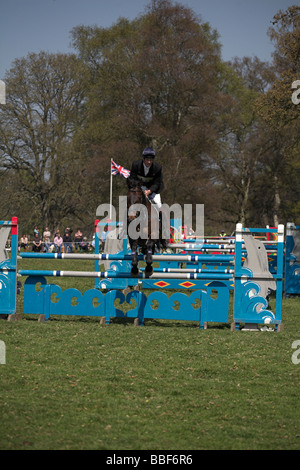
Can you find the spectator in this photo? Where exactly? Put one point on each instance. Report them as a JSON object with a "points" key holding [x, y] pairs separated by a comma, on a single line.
{"points": [[46, 239], [103, 237], [67, 239], [37, 243], [36, 230], [24, 242], [78, 239], [84, 245], [58, 242]]}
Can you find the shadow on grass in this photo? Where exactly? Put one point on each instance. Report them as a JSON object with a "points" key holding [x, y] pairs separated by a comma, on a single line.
{"points": [[148, 322]]}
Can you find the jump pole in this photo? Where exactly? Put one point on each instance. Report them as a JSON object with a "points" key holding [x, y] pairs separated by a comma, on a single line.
{"points": [[128, 257], [125, 275]]}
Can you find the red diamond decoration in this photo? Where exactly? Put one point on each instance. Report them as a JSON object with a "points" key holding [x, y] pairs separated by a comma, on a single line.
{"points": [[161, 284], [187, 284]]}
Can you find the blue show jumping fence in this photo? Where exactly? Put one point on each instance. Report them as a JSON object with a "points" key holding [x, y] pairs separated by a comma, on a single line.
{"points": [[292, 260], [246, 272], [8, 267]]}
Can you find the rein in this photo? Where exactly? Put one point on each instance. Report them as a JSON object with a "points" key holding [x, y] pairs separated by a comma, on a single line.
{"points": [[135, 190]]}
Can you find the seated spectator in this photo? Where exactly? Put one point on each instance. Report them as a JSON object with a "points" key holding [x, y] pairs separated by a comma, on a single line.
{"points": [[67, 239], [58, 242], [84, 245], [37, 243], [78, 239], [24, 242], [46, 239]]}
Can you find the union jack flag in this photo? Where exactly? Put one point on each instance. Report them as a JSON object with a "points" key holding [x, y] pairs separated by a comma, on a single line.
{"points": [[118, 169]]}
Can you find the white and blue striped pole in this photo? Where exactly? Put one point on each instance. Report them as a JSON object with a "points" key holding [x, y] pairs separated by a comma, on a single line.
{"points": [[128, 257], [112, 274]]}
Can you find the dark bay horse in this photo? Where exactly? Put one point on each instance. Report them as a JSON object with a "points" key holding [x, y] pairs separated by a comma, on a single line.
{"points": [[142, 228]]}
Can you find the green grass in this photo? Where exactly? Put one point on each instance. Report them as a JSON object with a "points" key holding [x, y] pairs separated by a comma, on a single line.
{"points": [[72, 384]]}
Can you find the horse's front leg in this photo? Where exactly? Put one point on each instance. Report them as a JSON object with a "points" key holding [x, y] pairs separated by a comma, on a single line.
{"points": [[134, 258], [149, 259]]}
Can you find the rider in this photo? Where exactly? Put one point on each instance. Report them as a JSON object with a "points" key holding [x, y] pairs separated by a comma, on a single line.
{"points": [[148, 173]]}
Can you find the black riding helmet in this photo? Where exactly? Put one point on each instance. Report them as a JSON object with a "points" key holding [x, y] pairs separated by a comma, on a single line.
{"points": [[148, 152]]}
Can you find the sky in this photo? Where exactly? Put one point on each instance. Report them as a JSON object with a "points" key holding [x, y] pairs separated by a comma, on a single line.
{"points": [[44, 25]]}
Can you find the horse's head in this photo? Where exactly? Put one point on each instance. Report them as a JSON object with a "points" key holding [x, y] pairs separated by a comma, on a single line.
{"points": [[139, 208], [135, 196]]}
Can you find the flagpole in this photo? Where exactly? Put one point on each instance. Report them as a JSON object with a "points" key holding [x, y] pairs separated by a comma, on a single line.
{"points": [[110, 198]]}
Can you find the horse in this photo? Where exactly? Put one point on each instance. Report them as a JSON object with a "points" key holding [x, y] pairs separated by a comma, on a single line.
{"points": [[142, 222]]}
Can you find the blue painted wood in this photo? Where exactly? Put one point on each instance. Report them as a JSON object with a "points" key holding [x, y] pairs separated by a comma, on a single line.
{"points": [[40, 296], [250, 306], [8, 267], [176, 307], [201, 306], [292, 264]]}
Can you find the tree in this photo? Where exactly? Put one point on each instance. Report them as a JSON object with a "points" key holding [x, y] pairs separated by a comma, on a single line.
{"points": [[280, 117], [37, 125], [154, 81], [241, 144]]}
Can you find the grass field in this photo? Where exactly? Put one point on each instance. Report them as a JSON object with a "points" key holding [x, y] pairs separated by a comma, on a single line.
{"points": [[72, 384]]}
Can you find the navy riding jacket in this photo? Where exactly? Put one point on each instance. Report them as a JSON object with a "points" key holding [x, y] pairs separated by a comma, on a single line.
{"points": [[153, 180]]}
